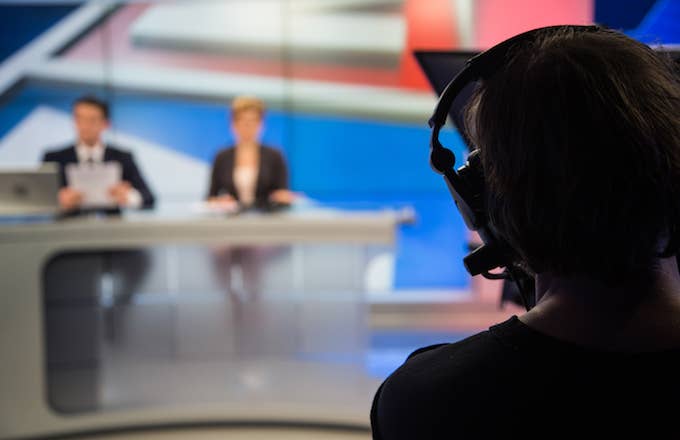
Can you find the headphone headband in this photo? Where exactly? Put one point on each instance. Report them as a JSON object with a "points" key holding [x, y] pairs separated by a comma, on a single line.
{"points": [[485, 64]]}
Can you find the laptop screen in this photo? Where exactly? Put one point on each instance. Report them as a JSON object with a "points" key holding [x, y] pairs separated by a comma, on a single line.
{"points": [[26, 192]]}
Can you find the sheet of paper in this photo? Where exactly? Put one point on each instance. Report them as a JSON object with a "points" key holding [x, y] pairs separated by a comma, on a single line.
{"points": [[94, 181], [216, 208]]}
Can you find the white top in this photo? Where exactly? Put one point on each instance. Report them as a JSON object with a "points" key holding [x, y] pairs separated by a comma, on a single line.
{"points": [[95, 154], [245, 181]]}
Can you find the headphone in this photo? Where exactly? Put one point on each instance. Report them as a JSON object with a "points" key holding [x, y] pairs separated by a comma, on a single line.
{"points": [[467, 183]]}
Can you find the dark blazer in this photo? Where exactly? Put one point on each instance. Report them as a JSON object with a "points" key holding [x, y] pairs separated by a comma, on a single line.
{"points": [[131, 173], [272, 174]]}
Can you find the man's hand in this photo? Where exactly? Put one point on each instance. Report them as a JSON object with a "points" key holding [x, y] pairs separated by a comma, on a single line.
{"points": [[69, 198], [282, 196], [121, 192]]}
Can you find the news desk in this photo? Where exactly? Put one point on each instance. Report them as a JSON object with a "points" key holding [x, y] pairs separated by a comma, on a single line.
{"points": [[180, 374]]}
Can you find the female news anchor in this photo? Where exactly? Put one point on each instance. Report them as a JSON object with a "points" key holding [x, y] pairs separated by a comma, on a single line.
{"points": [[246, 175], [249, 173]]}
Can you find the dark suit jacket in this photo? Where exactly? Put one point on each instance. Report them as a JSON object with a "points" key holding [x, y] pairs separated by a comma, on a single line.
{"points": [[272, 174], [111, 154]]}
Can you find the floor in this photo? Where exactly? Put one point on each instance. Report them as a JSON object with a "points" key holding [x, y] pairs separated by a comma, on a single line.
{"points": [[331, 382], [235, 434]]}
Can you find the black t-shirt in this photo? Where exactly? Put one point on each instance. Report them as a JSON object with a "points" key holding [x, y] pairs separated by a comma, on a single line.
{"points": [[512, 381]]}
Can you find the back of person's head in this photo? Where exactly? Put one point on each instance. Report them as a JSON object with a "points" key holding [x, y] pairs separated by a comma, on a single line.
{"points": [[242, 104], [95, 102], [579, 134]]}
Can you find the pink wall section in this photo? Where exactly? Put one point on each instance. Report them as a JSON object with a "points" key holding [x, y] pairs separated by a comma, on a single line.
{"points": [[431, 25], [497, 20]]}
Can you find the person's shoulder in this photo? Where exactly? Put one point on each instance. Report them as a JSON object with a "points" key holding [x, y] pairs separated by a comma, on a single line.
{"points": [[432, 372], [117, 151], [440, 383], [272, 151], [58, 152], [224, 153], [118, 154], [473, 349]]}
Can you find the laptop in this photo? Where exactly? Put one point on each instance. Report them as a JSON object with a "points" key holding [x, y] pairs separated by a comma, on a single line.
{"points": [[29, 191]]}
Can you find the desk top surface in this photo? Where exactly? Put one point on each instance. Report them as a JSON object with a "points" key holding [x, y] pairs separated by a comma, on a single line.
{"points": [[308, 224]]}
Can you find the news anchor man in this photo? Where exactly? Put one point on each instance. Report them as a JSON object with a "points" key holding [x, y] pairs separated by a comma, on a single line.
{"points": [[126, 267], [91, 119], [249, 173]]}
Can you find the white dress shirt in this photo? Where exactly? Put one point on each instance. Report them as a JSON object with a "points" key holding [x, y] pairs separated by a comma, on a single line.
{"points": [[95, 154], [245, 181]]}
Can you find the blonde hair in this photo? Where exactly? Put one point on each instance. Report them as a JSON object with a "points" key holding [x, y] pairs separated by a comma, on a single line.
{"points": [[245, 103]]}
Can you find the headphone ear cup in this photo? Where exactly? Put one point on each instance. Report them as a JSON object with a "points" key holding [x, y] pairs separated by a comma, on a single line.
{"points": [[467, 189], [472, 176], [442, 160]]}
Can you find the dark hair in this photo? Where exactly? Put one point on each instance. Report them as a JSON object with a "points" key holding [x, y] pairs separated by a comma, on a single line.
{"points": [[93, 100], [579, 136]]}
